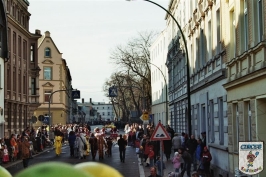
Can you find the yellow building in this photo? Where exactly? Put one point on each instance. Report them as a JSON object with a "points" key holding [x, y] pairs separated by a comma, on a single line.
{"points": [[54, 82], [243, 24]]}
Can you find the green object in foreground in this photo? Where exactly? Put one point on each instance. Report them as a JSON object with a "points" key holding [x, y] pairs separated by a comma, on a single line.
{"points": [[52, 169], [4, 172]]}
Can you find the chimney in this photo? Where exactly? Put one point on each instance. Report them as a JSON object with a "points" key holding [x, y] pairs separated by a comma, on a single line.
{"points": [[47, 34], [82, 100], [90, 100], [37, 31]]}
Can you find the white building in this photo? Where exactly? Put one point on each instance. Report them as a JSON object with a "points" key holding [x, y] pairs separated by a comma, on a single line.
{"points": [[159, 79], [200, 24], [105, 111]]}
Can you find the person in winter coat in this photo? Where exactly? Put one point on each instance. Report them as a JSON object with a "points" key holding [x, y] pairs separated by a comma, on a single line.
{"points": [[25, 151], [101, 146], [187, 161], [176, 142], [177, 161], [93, 146], [206, 161], [199, 151], [150, 159], [81, 141], [158, 166], [71, 142]]}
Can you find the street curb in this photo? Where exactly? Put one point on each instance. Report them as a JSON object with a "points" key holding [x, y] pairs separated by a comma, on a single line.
{"points": [[141, 170], [10, 164]]}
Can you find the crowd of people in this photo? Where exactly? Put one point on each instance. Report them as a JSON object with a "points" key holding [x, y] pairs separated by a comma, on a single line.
{"points": [[190, 154]]}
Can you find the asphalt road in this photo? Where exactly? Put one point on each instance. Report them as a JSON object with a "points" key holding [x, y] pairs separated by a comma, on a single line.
{"points": [[128, 169]]}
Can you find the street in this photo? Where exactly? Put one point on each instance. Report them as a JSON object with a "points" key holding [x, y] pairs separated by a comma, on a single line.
{"points": [[129, 168]]}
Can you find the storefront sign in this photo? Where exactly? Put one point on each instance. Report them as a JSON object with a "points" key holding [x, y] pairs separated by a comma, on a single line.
{"points": [[250, 157]]}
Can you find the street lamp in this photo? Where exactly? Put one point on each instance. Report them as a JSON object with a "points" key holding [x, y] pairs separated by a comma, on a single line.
{"points": [[187, 60], [166, 97]]}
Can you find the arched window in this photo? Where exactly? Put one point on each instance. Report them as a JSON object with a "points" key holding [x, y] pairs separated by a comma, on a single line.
{"points": [[47, 52]]}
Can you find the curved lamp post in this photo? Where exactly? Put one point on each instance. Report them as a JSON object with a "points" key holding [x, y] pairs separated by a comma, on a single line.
{"points": [[166, 97], [187, 60]]}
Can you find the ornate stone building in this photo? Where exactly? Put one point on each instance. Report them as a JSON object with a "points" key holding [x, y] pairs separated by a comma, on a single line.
{"points": [[21, 71], [3, 58], [244, 26], [55, 80]]}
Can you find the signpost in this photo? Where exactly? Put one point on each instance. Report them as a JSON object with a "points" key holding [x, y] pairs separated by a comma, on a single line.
{"points": [[160, 134], [113, 91]]}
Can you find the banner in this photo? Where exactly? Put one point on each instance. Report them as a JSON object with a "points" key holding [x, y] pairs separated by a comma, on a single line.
{"points": [[250, 157]]}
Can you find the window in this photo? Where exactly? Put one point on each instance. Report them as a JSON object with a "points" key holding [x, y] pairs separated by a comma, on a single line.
{"points": [[245, 25], [33, 86], [235, 126], [247, 121], [218, 48], [103, 113], [25, 49], [47, 73], [212, 138], [108, 113], [47, 94], [221, 121], [260, 21], [232, 34], [47, 52], [32, 58], [24, 84], [14, 79], [19, 46]]}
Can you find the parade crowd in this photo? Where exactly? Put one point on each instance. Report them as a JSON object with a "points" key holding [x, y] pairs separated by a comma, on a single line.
{"points": [[190, 154]]}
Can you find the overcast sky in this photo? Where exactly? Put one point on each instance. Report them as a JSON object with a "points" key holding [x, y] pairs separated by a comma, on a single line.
{"points": [[86, 32]]}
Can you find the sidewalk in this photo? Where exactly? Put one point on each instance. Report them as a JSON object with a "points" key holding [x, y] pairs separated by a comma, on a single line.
{"points": [[9, 164]]}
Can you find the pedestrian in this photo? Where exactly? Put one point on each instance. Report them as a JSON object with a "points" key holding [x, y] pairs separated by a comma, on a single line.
{"points": [[176, 161], [150, 159], [25, 151], [58, 142], [122, 148], [5, 158], [187, 161], [101, 146], [206, 161], [109, 146], [191, 147], [203, 138], [199, 151], [176, 142], [153, 172], [71, 142], [93, 145], [158, 166], [81, 143]]}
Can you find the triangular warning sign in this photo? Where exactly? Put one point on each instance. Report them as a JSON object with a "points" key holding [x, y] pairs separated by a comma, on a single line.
{"points": [[160, 133], [76, 95]]}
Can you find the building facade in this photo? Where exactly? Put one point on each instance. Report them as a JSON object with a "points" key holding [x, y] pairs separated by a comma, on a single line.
{"points": [[54, 82], [105, 111], [21, 93], [3, 58], [159, 79], [200, 22], [244, 26]]}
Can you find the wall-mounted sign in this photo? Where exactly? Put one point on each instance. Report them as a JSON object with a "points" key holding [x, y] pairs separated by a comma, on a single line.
{"points": [[250, 157]]}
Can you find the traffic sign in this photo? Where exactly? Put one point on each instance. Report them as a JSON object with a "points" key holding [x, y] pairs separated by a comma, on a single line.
{"points": [[145, 116], [75, 94], [46, 120], [113, 92], [160, 133]]}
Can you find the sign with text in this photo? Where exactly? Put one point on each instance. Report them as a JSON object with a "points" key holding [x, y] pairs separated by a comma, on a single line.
{"points": [[250, 157]]}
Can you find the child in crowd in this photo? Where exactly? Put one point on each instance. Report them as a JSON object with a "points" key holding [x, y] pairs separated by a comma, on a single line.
{"points": [[5, 155], [176, 161], [158, 166]]}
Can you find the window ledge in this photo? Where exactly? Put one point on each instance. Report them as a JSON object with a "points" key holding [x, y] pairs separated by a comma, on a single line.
{"points": [[217, 146]]}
